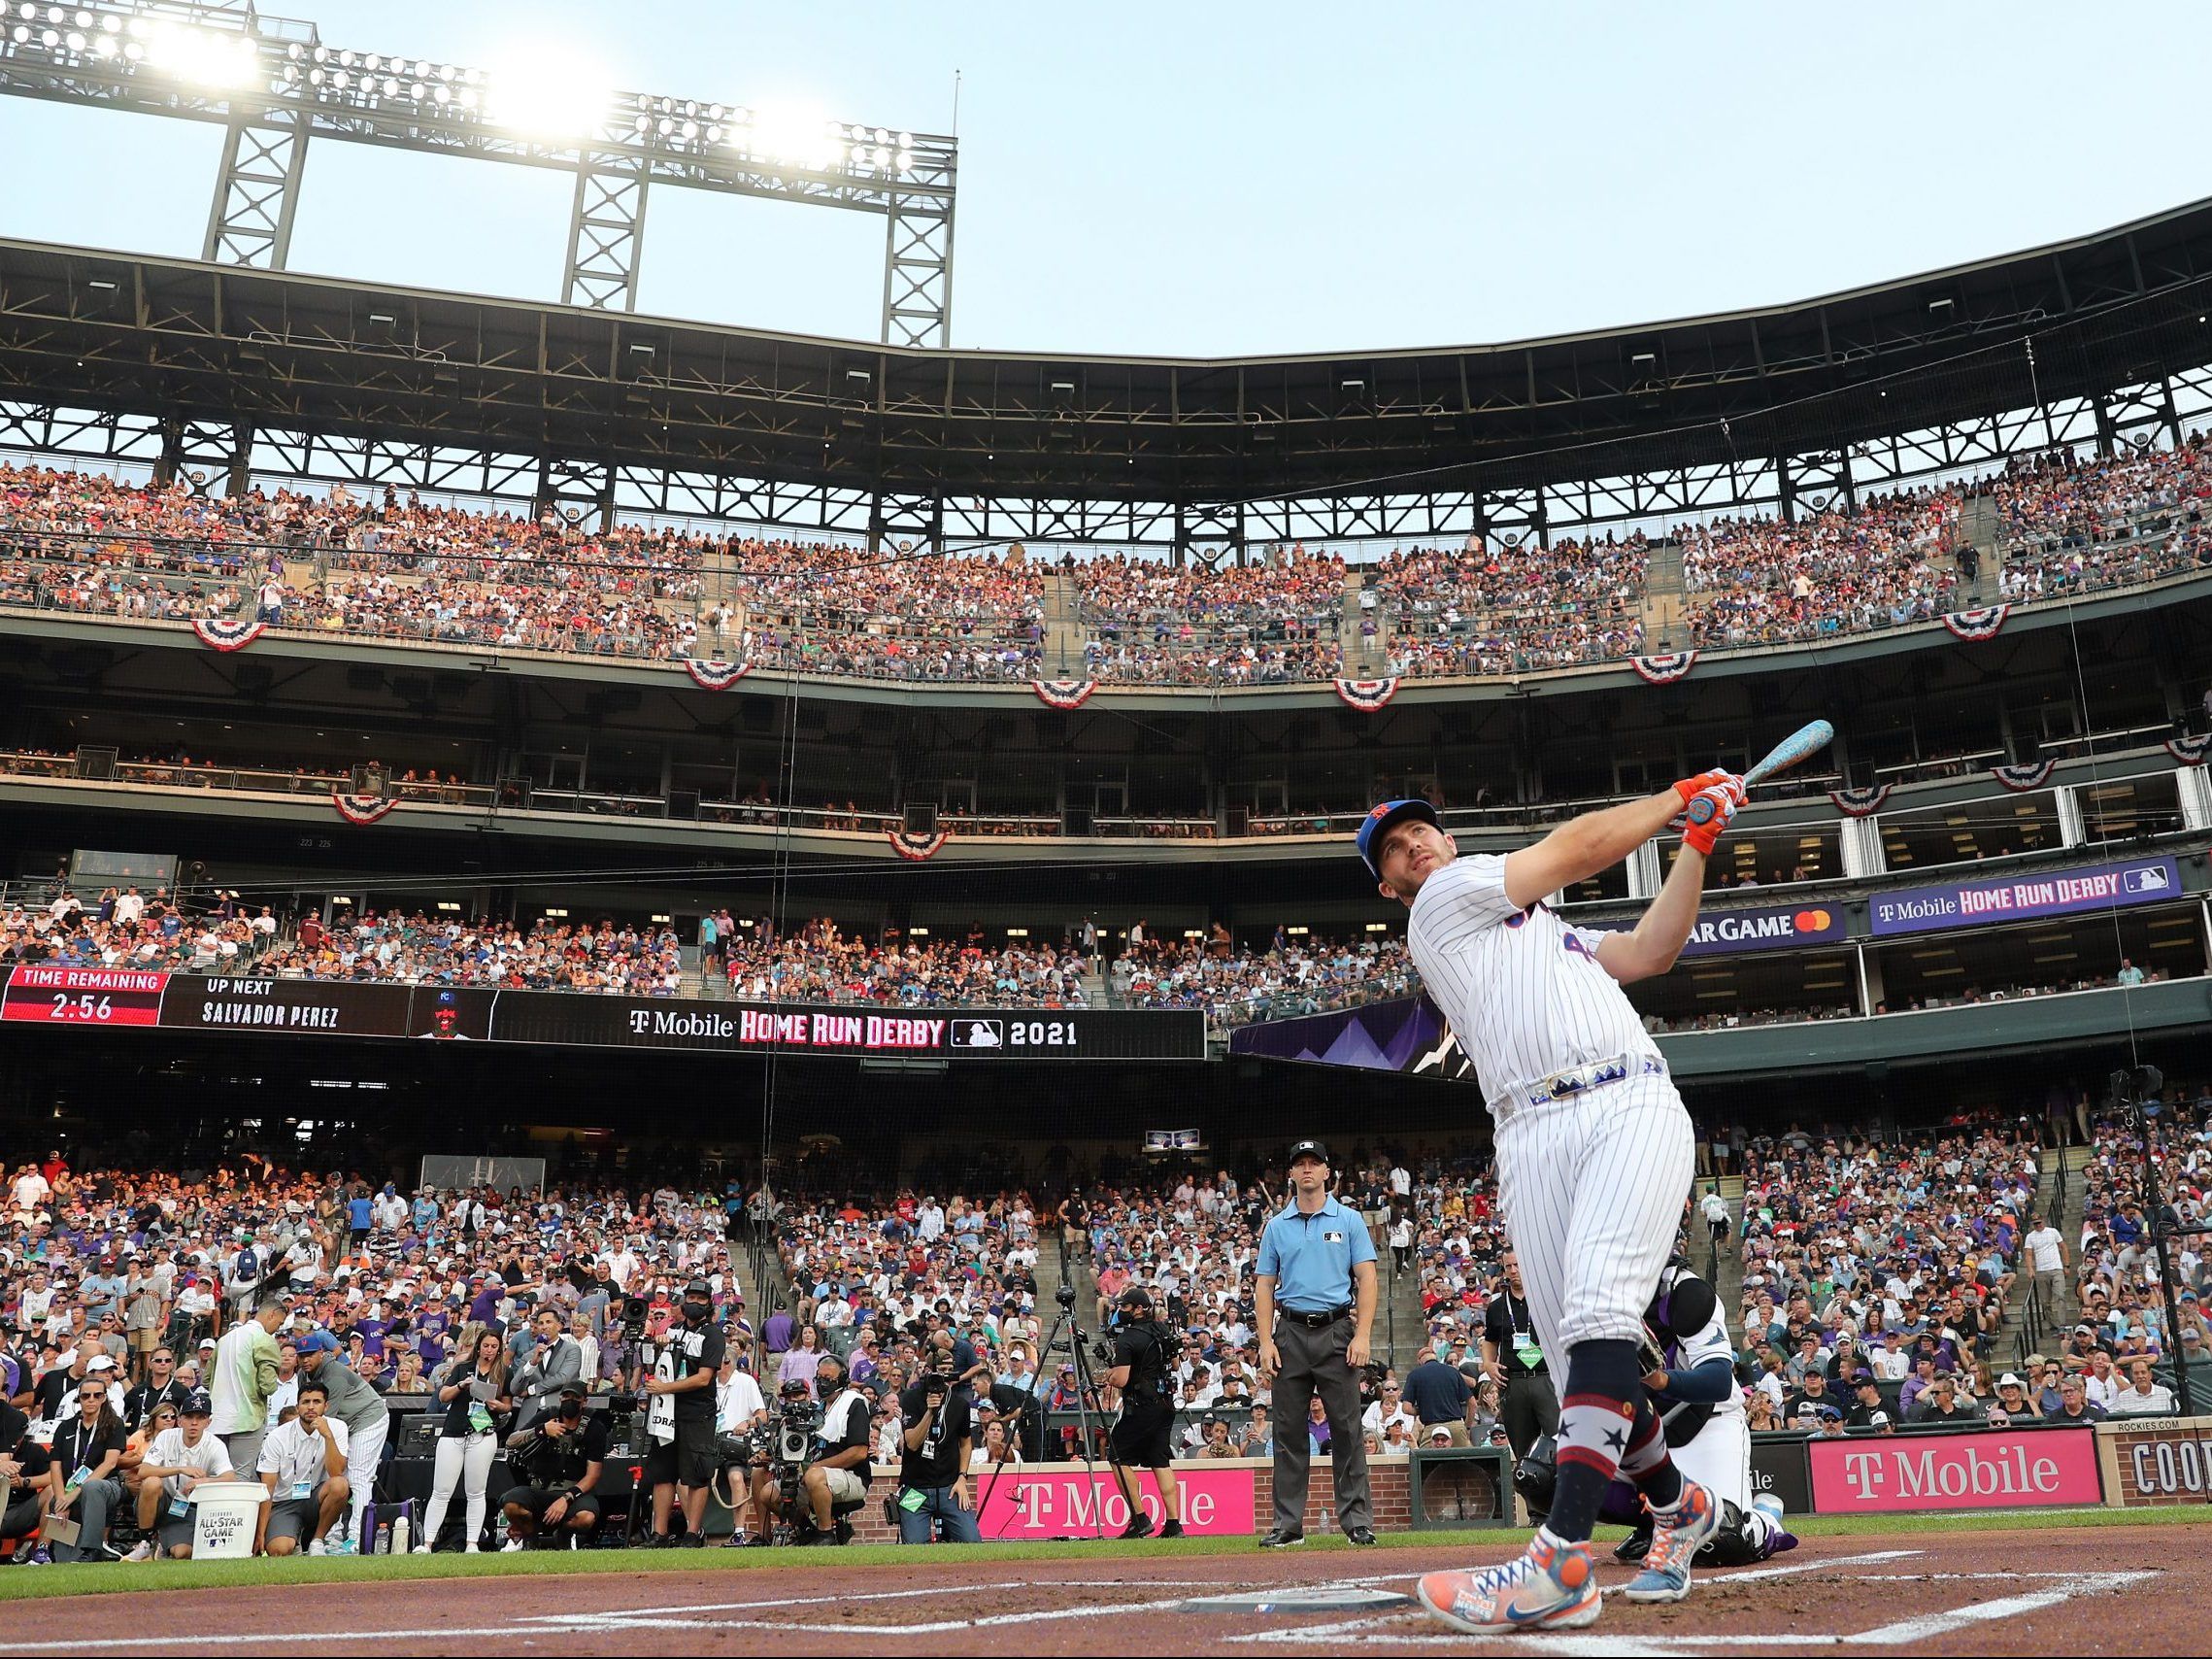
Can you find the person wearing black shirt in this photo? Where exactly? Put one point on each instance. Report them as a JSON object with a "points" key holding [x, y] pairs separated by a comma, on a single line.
{"points": [[1142, 1435], [58, 1387], [24, 1464], [839, 1473], [80, 1485], [471, 1393], [1867, 1403], [559, 1460], [682, 1425], [160, 1388], [1939, 1402], [939, 1423], [1813, 1394], [1513, 1360]]}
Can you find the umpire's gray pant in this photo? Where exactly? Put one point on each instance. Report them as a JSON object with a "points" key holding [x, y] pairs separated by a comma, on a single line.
{"points": [[1314, 1363]]}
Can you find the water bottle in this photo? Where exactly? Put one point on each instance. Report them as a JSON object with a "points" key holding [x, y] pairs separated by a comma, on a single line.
{"points": [[384, 1539], [400, 1529]]}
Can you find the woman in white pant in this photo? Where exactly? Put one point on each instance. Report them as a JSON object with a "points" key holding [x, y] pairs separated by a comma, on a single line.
{"points": [[473, 1390]]}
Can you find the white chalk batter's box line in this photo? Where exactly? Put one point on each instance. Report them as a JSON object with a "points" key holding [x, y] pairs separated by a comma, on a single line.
{"points": [[700, 1617], [690, 1618], [1373, 1631]]}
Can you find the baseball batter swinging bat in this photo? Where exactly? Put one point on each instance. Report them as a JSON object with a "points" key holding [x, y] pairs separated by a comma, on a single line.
{"points": [[1800, 745]]}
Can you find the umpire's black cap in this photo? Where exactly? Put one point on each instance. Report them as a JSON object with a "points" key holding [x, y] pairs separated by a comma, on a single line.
{"points": [[1309, 1149], [1136, 1296]]}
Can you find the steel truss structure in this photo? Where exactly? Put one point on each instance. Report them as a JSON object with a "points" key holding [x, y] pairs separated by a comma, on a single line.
{"points": [[225, 373], [273, 83]]}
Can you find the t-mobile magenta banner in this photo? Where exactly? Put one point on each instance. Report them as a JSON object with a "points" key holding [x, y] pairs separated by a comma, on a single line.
{"points": [[2002, 1469], [1066, 1501]]}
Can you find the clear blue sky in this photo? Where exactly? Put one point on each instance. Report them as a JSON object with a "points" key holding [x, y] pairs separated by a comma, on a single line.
{"points": [[1215, 177]]}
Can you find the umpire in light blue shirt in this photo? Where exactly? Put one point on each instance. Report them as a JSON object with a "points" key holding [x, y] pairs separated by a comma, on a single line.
{"points": [[1314, 1299]]}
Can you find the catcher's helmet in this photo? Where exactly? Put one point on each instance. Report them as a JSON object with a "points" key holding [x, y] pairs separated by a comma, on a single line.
{"points": [[1535, 1475]]}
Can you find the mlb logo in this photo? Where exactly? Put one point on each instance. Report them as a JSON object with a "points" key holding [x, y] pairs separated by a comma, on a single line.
{"points": [[978, 1033], [2151, 880]]}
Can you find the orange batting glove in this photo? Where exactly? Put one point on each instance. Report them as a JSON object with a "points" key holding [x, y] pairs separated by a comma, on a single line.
{"points": [[1689, 787], [1707, 818]]}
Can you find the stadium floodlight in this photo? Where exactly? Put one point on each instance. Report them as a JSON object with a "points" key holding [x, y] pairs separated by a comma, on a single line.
{"points": [[547, 90], [201, 56], [798, 134], [274, 83]]}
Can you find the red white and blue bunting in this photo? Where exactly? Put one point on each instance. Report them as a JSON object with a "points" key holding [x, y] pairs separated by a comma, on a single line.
{"points": [[1977, 626], [2189, 750], [1066, 696], [225, 633], [1665, 669], [1368, 697], [2031, 775], [1861, 802], [362, 808], [715, 675], [917, 849]]}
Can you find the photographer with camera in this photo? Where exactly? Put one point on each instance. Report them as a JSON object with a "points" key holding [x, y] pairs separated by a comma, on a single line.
{"points": [[560, 1458], [682, 1365], [839, 1473], [1141, 1365], [774, 1446], [938, 1418]]}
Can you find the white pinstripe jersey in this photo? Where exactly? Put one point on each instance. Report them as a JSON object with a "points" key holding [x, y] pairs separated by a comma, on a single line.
{"points": [[1522, 989]]}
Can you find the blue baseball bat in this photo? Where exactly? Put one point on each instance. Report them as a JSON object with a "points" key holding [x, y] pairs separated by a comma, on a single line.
{"points": [[1800, 745]]}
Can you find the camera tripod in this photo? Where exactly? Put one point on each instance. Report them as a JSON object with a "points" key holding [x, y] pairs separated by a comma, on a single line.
{"points": [[1085, 1400]]}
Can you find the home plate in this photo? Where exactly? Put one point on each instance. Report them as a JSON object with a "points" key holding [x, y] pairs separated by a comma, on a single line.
{"points": [[1300, 1599]]}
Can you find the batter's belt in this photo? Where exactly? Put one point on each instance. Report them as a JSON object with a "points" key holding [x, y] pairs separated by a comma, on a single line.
{"points": [[1571, 1083]]}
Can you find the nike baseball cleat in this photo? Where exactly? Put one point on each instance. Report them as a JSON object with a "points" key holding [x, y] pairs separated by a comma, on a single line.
{"points": [[1554, 1586], [1677, 1533]]}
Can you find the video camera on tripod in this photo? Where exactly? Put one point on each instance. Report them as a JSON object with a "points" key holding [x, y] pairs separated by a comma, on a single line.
{"points": [[783, 1443], [1095, 1345]]}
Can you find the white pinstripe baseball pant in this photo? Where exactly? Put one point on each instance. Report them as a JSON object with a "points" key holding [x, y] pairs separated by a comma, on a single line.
{"points": [[1592, 1190]]}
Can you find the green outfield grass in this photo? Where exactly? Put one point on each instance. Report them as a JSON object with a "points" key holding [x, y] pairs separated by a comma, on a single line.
{"points": [[21, 1583]]}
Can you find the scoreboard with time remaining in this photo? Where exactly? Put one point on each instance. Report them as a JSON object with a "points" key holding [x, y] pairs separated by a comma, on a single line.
{"points": [[96, 997]]}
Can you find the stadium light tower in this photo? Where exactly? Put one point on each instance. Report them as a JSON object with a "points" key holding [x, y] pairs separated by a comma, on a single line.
{"points": [[273, 83]]}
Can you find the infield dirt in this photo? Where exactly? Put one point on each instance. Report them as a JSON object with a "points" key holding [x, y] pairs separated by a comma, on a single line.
{"points": [[2111, 1589]]}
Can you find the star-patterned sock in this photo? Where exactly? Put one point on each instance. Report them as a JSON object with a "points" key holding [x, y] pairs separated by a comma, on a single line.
{"points": [[1647, 1462], [1597, 1416]]}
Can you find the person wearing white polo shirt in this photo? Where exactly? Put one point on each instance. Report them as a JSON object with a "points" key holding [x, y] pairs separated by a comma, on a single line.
{"points": [[303, 1465]]}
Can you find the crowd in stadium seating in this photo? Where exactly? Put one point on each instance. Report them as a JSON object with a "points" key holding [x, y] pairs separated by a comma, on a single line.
{"points": [[395, 567], [819, 963], [914, 1260], [1266, 624], [1292, 975], [130, 930], [1497, 610], [1882, 1237], [2114, 1270], [1892, 1262], [137, 1273], [2056, 504], [550, 955], [1760, 581]]}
